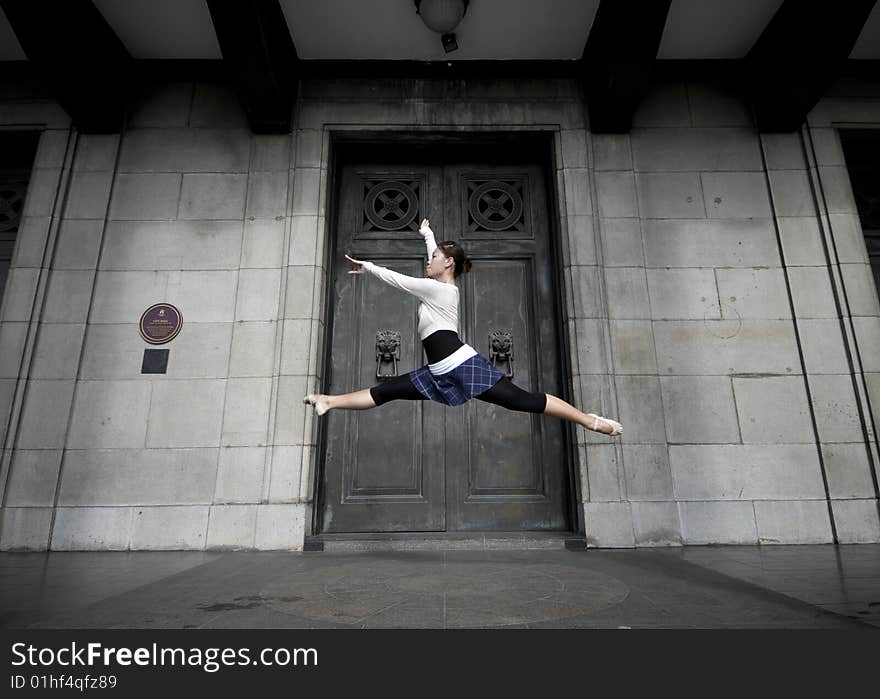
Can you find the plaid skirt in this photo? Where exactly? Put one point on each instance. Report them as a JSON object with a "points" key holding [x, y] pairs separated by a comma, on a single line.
{"points": [[467, 380]]}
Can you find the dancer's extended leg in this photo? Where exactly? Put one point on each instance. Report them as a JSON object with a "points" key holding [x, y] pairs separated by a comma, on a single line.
{"points": [[359, 400], [559, 408]]}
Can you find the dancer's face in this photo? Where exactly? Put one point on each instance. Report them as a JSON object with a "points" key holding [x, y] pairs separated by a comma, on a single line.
{"points": [[438, 263]]}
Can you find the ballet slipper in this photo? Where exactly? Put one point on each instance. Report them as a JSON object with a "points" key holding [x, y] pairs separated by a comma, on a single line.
{"points": [[616, 427]]}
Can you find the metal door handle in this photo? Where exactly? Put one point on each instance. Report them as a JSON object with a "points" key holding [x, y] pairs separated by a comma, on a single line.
{"points": [[501, 349], [387, 350]]}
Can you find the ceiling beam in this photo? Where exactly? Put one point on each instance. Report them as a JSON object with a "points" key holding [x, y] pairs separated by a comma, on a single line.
{"points": [[261, 60], [78, 56], [617, 60], [800, 53]]}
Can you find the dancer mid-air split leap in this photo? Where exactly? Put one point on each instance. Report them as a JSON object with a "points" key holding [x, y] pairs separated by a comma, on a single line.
{"points": [[455, 372]]}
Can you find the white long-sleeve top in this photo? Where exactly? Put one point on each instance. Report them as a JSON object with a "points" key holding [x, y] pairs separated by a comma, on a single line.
{"points": [[438, 309]]}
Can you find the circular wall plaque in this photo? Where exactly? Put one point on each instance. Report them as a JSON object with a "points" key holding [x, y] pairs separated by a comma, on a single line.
{"points": [[160, 323]]}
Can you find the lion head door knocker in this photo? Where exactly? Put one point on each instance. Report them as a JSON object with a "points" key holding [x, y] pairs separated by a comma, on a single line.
{"points": [[501, 349], [387, 351]]}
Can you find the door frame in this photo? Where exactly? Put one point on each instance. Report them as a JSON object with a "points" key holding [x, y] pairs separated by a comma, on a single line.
{"points": [[540, 144]]}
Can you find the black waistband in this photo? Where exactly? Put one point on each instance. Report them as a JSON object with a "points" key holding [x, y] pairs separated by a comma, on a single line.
{"points": [[440, 344]]}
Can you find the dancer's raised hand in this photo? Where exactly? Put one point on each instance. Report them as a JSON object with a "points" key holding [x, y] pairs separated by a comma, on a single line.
{"points": [[356, 265], [424, 224]]}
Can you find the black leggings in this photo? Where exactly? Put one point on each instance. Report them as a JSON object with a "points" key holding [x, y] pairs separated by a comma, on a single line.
{"points": [[504, 393]]}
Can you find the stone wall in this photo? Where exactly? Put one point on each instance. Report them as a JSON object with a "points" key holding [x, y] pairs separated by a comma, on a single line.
{"points": [[702, 309]]}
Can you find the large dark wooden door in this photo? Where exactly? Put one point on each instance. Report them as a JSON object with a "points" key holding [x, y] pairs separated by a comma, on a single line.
{"points": [[419, 465]]}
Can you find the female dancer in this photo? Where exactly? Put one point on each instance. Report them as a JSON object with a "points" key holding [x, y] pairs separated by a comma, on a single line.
{"points": [[455, 372]]}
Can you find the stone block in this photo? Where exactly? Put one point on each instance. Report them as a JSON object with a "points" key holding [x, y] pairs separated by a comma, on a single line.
{"points": [[692, 149], [122, 297], [300, 291], [622, 242], [280, 527], [826, 146], [258, 294], [609, 525], [792, 193], [578, 200], [711, 243], [58, 350], [306, 191], [145, 197], [848, 470], [811, 292], [43, 423], [699, 410], [213, 196], [308, 148], [574, 148], [89, 195], [581, 240], [856, 521], [793, 522], [584, 285], [861, 290], [246, 415], [773, 410], [263, 244], [822, 346], [867, 331], [718, 523], [33, 477], [185, 150], [162, 104], [172, 245], [647, 472], [632, 347], [109, 415], [783, 151], [849, 239], [665, 103], [12, 342], [30, 241], [670, 195], [746, 472], [683, 294], [253, 349], [78, 245], [616, 195], [603, 473], [186, 413], [271, 152], [627, 293], [232, 527], [837, 189], [52, 148], [7, 395], [295, 345], [611, 151], [25, 528], [688, 347], [68, 297], [138, 477], [735, 194], [267, 195], [204, 297], [169, 528], [834, 403], [801, 241], [641, 410], [19, 294], [91, 529], [753, 293], [240, 476], [96, 153], [717, 105], [656, 524], [215, 105], [872, 384], [286, 473], [304, 236], [290, 410], [42, 192]]}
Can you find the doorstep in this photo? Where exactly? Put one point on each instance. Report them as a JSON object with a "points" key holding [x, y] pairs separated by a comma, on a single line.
{"points": [[446, 541]]}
